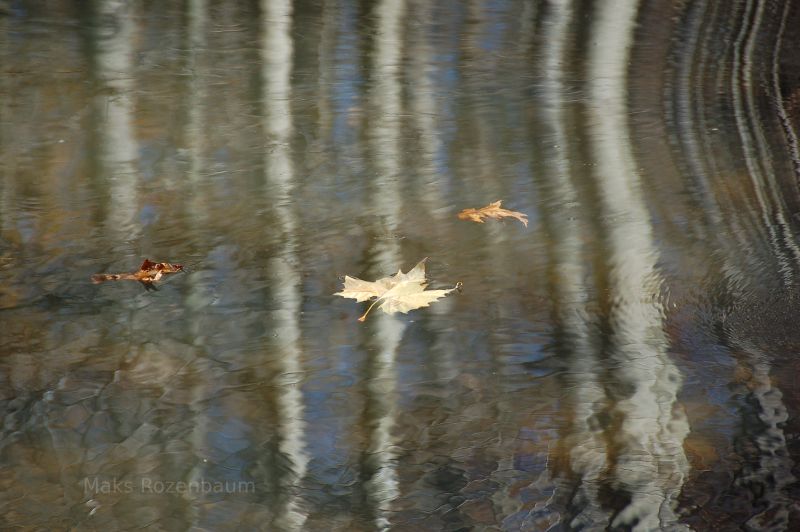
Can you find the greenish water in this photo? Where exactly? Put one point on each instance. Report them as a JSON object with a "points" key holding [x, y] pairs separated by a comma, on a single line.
{"points": [[627, 362]]}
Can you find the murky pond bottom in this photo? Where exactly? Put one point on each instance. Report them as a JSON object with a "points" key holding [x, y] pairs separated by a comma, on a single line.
{"points": [[625, 361]]}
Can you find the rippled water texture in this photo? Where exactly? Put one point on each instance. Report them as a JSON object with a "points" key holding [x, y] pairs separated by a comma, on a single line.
{"points": [[629, 361]]}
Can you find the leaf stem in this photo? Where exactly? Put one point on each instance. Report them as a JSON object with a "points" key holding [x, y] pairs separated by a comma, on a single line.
{"points": [[364, 316]]}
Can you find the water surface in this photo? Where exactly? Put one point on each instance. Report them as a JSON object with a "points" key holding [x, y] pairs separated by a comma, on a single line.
{"points": [[626, 362]]}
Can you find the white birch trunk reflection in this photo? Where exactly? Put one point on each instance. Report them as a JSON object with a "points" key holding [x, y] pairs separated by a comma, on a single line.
{"points": [[651, 465], [277, 54], [197, 50], [480, 162], [7, 193], [767, 464], [786, 121], [424, 111], [384, 138], [756, 153], [114, 105], [431, 187], [585, 441], [769, 475], [691, 124], [197, 299]]}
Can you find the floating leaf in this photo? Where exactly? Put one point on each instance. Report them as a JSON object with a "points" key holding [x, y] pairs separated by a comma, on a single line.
{"points": [[400, 292], [148, 273], [493, 210]]}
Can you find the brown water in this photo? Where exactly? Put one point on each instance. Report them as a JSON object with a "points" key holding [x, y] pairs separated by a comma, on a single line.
{"points": [[628, 361]]}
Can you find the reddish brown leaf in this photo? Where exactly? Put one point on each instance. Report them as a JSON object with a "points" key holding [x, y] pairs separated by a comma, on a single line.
{"points": [[147, 274]]}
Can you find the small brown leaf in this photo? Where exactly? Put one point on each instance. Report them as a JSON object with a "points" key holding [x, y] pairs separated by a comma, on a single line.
{"points": [[493, 210], [400, 292], [148, 273]]}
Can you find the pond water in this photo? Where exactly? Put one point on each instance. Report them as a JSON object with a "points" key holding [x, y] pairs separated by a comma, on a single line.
{"points": [[627, 361]]}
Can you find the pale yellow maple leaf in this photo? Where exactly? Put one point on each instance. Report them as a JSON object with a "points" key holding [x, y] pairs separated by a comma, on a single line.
{"points": [[400, 292]]}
